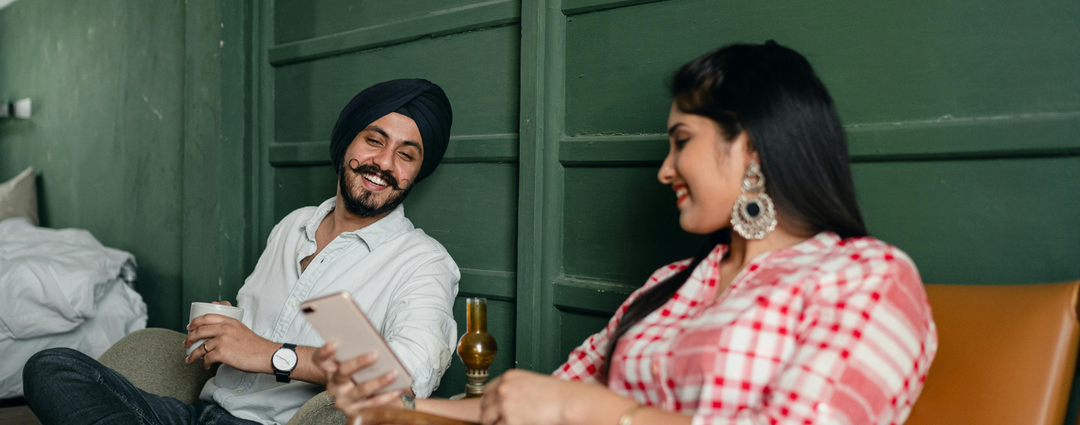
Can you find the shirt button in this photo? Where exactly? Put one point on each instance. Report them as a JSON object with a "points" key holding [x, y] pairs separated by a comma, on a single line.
{"points": [[239, 391], [292, 303], [655, 369]]}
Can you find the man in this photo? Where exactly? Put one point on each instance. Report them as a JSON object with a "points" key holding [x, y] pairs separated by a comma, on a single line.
{"points": [[386, 140]]}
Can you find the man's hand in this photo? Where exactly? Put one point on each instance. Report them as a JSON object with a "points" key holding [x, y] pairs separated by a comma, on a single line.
{"points": [[351, 397], [229, 342]]}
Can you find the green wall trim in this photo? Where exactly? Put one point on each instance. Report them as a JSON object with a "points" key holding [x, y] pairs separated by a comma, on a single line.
{"points": [[1034, 135], [217, 143], [443, 22], [496, 285], [1031, 135], [590, 296], [530, 247], [471, 149], [263, 205], [482, 148], [636, 149], [573, 7], [549, 230], [202, 251]]}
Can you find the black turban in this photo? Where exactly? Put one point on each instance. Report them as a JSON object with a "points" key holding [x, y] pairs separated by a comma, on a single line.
{"points": [[423, 101]]}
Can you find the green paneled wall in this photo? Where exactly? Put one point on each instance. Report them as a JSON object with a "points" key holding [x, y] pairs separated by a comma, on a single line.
{"points": [[297, 20], [978, 221], [963, 120], [470, 204], [884, 63], [308, 96], [621, 224]]}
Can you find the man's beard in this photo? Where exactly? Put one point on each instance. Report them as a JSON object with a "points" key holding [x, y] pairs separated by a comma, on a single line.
{"points": [[364, 205]]}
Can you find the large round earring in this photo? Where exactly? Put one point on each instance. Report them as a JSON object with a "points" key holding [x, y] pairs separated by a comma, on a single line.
{"points": [[753, 218]]}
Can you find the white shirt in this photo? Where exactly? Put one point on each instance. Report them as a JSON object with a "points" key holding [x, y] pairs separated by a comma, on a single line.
{"points": [[403, 280]]}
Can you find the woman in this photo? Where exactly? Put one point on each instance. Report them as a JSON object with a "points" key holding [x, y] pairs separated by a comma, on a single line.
{"points": [[790, 313]]}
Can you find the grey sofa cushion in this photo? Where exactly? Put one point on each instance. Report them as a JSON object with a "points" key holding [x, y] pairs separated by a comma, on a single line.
{"points": [[153, 360]]}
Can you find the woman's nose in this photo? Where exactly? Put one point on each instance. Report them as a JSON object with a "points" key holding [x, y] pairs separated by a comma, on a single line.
{"points": [[666, 175]]}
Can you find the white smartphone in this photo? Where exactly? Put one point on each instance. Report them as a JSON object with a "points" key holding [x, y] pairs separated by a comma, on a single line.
{"points": [[338, 319]]}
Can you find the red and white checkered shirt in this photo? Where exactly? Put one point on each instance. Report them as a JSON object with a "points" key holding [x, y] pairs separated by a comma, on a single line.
{"points": [[828, 331]]}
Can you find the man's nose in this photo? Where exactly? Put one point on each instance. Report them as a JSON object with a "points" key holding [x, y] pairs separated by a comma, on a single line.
{"points": [[385, 159]]}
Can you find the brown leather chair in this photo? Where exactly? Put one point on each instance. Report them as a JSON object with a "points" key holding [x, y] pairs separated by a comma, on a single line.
{"points": [[1006, 354]]}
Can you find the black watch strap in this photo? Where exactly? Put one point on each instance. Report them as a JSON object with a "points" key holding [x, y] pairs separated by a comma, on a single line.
{"points": [[283, 375]]}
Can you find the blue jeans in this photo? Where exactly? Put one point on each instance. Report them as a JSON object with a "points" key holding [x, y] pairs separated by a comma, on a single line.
{"points": [[64, 386]]}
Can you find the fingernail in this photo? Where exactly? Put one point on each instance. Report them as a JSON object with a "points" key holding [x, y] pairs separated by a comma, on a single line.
{"points": [[391, 374]]}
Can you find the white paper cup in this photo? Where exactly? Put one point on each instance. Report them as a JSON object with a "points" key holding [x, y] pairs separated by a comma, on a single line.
{"points": [[199, 309]]}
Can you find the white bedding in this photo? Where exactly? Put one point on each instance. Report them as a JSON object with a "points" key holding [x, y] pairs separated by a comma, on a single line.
{"points": [[60, 288], [120, 312]]}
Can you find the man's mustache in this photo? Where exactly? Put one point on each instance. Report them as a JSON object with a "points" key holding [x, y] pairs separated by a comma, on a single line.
{"points": [[374, 169]]}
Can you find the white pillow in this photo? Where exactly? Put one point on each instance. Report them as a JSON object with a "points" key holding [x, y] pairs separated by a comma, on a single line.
{"points": [[18, 197]]}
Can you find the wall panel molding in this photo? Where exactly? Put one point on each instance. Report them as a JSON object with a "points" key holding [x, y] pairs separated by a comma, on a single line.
{"points": [[622, 150], [1029, 135], [573, 7], [480, 148], [496, 285], [590, 296], [1017, 136], [443, 22]]}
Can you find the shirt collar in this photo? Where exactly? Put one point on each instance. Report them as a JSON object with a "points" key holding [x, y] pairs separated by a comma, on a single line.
{"points": [[820, 242], [373, 235]]}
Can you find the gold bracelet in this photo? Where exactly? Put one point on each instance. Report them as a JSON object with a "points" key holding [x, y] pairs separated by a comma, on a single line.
{"points": [[628, 417]]}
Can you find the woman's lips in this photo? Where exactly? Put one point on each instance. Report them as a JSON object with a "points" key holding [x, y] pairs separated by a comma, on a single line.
{"points": [[681, 193]]}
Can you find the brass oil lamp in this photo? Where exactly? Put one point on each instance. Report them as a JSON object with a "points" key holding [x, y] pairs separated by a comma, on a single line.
{"points": [[476, 348]]}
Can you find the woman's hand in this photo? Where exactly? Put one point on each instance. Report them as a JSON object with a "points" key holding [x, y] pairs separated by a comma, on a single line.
{"points": [[350, 397], [525, 398]]}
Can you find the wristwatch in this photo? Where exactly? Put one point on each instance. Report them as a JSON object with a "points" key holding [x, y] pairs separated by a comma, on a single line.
{"points": [[409, 401], [284, 361]]}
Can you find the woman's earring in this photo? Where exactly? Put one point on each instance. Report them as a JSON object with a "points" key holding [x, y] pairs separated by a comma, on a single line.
{"points": [[753, 218]]}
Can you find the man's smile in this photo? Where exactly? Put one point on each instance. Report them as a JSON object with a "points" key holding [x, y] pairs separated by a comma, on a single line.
{"points": [[374, 182]]}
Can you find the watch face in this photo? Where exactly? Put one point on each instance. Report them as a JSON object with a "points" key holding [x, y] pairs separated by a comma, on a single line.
{"points": [[284, 359]]}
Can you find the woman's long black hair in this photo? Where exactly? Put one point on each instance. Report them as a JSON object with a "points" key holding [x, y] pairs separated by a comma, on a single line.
{"points": [[772, 93]]}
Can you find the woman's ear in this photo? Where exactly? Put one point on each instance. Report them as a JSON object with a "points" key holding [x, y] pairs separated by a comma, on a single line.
{"points": [[743, 142]]}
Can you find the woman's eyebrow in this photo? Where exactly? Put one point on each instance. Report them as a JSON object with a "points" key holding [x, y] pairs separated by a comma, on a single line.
{"points": [[671, 130]]}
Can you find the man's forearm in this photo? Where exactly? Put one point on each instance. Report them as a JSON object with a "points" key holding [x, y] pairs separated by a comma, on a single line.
{"points": [[306, 370]]}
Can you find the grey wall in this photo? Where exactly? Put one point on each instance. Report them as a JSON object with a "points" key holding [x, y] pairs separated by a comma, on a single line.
{"points": [[106, 136], [127, 136]]}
